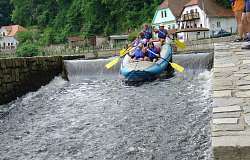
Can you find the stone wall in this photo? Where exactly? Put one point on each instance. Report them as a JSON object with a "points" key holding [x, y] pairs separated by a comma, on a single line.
{"points": [[203, 45], [19, 76]]}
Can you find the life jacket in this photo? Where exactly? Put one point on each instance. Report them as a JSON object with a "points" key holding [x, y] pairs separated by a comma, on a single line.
{"points": [[148, 33], [162, 33], [141, 40], [155, 50], [139, 54]]}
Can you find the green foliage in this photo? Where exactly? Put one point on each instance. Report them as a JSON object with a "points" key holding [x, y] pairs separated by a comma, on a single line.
{"points": [[82, 17], [27, 49], [133, 35], [47, 37], [24, 36], [5, 11], [59, 19]]}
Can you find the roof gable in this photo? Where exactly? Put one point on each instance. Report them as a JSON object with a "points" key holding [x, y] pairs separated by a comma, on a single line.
{"points": [[175, 7], [211, 7], [12, 30]]}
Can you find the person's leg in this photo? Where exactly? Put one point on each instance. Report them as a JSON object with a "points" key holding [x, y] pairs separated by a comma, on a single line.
{"points": [[238, 17], [248, 16], [244, 25], [247, 27]]}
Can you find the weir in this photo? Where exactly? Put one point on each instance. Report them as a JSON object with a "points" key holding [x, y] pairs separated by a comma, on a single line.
{"points": [[230, 125]]}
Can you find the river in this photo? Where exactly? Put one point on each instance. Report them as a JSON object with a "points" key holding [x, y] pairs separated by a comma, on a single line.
{"points": [[97, 116]]}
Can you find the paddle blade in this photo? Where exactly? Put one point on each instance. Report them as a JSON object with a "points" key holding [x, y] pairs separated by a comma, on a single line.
{"points": [[112, 63], [177, 67], [124, 51], [179, 44]]}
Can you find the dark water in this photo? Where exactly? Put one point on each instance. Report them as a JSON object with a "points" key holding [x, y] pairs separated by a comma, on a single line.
{"points": [[97, 116]]}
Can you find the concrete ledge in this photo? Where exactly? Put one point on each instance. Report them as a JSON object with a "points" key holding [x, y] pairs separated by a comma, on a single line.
{"points": [[231, 153], [231, 105]]}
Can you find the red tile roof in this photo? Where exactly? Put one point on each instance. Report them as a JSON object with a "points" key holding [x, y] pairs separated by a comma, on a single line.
{"points": [[75, 39], [175, 7], [212, 8], [13, 29]]}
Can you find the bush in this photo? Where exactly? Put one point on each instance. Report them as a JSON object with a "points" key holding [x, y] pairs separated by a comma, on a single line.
{"points": [[133, 35], [24, 36], [27, 50]]}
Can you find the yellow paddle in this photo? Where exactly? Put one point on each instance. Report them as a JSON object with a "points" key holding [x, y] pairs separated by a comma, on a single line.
{"points": [[174, 65], [177, 67], [178, 43], [123, 52]]}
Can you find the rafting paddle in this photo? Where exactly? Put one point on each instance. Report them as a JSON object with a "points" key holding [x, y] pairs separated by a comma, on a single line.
{"points": [[123, 52], [174, 65], [178, 43]]}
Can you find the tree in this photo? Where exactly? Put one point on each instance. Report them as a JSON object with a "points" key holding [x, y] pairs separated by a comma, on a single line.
{"points": [[27, 49], [24, 36], [5, 10]]}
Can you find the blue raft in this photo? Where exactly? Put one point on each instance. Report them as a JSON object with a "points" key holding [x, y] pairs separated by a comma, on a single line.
{"points": [[143, 70]]}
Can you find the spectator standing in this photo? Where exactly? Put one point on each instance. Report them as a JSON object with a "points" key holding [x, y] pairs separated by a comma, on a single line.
{"points": [[238, 8]]}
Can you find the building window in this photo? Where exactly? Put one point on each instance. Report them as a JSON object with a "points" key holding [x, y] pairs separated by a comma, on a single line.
{"points": [[200, 25], [3, 33], [191, 11], [196, 10], [173, 26], [163, 14], [218, 24], [169, 26]]}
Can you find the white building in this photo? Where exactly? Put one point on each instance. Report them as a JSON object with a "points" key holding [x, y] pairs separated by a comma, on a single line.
{"points": [[7, 36], [168, 13], [200, 17]]}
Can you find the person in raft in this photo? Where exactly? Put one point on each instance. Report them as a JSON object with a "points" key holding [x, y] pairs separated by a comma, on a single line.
{"points": [[162, 33], [141, 39], [147, 31], [152, 53], [138, 54]]}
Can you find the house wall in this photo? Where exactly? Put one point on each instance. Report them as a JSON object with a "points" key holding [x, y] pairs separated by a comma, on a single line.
{"points": [[3, 32], [159, 19], [200, 21], [225, 23], [212, 23], [10, 42], [169, 21], [189, 36]]}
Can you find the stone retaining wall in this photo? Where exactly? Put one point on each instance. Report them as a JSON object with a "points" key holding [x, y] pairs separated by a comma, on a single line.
{"points": [[203, 45], [19, 76]]}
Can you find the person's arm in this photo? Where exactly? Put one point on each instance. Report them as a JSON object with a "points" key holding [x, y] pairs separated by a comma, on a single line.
{"points": [[232, 2]]}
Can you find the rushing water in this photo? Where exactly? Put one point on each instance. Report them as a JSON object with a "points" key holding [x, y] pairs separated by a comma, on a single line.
{"points": [[97, 116]]}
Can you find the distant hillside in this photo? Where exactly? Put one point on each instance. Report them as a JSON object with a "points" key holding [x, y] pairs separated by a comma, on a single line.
{"points": [[62, 18]]}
